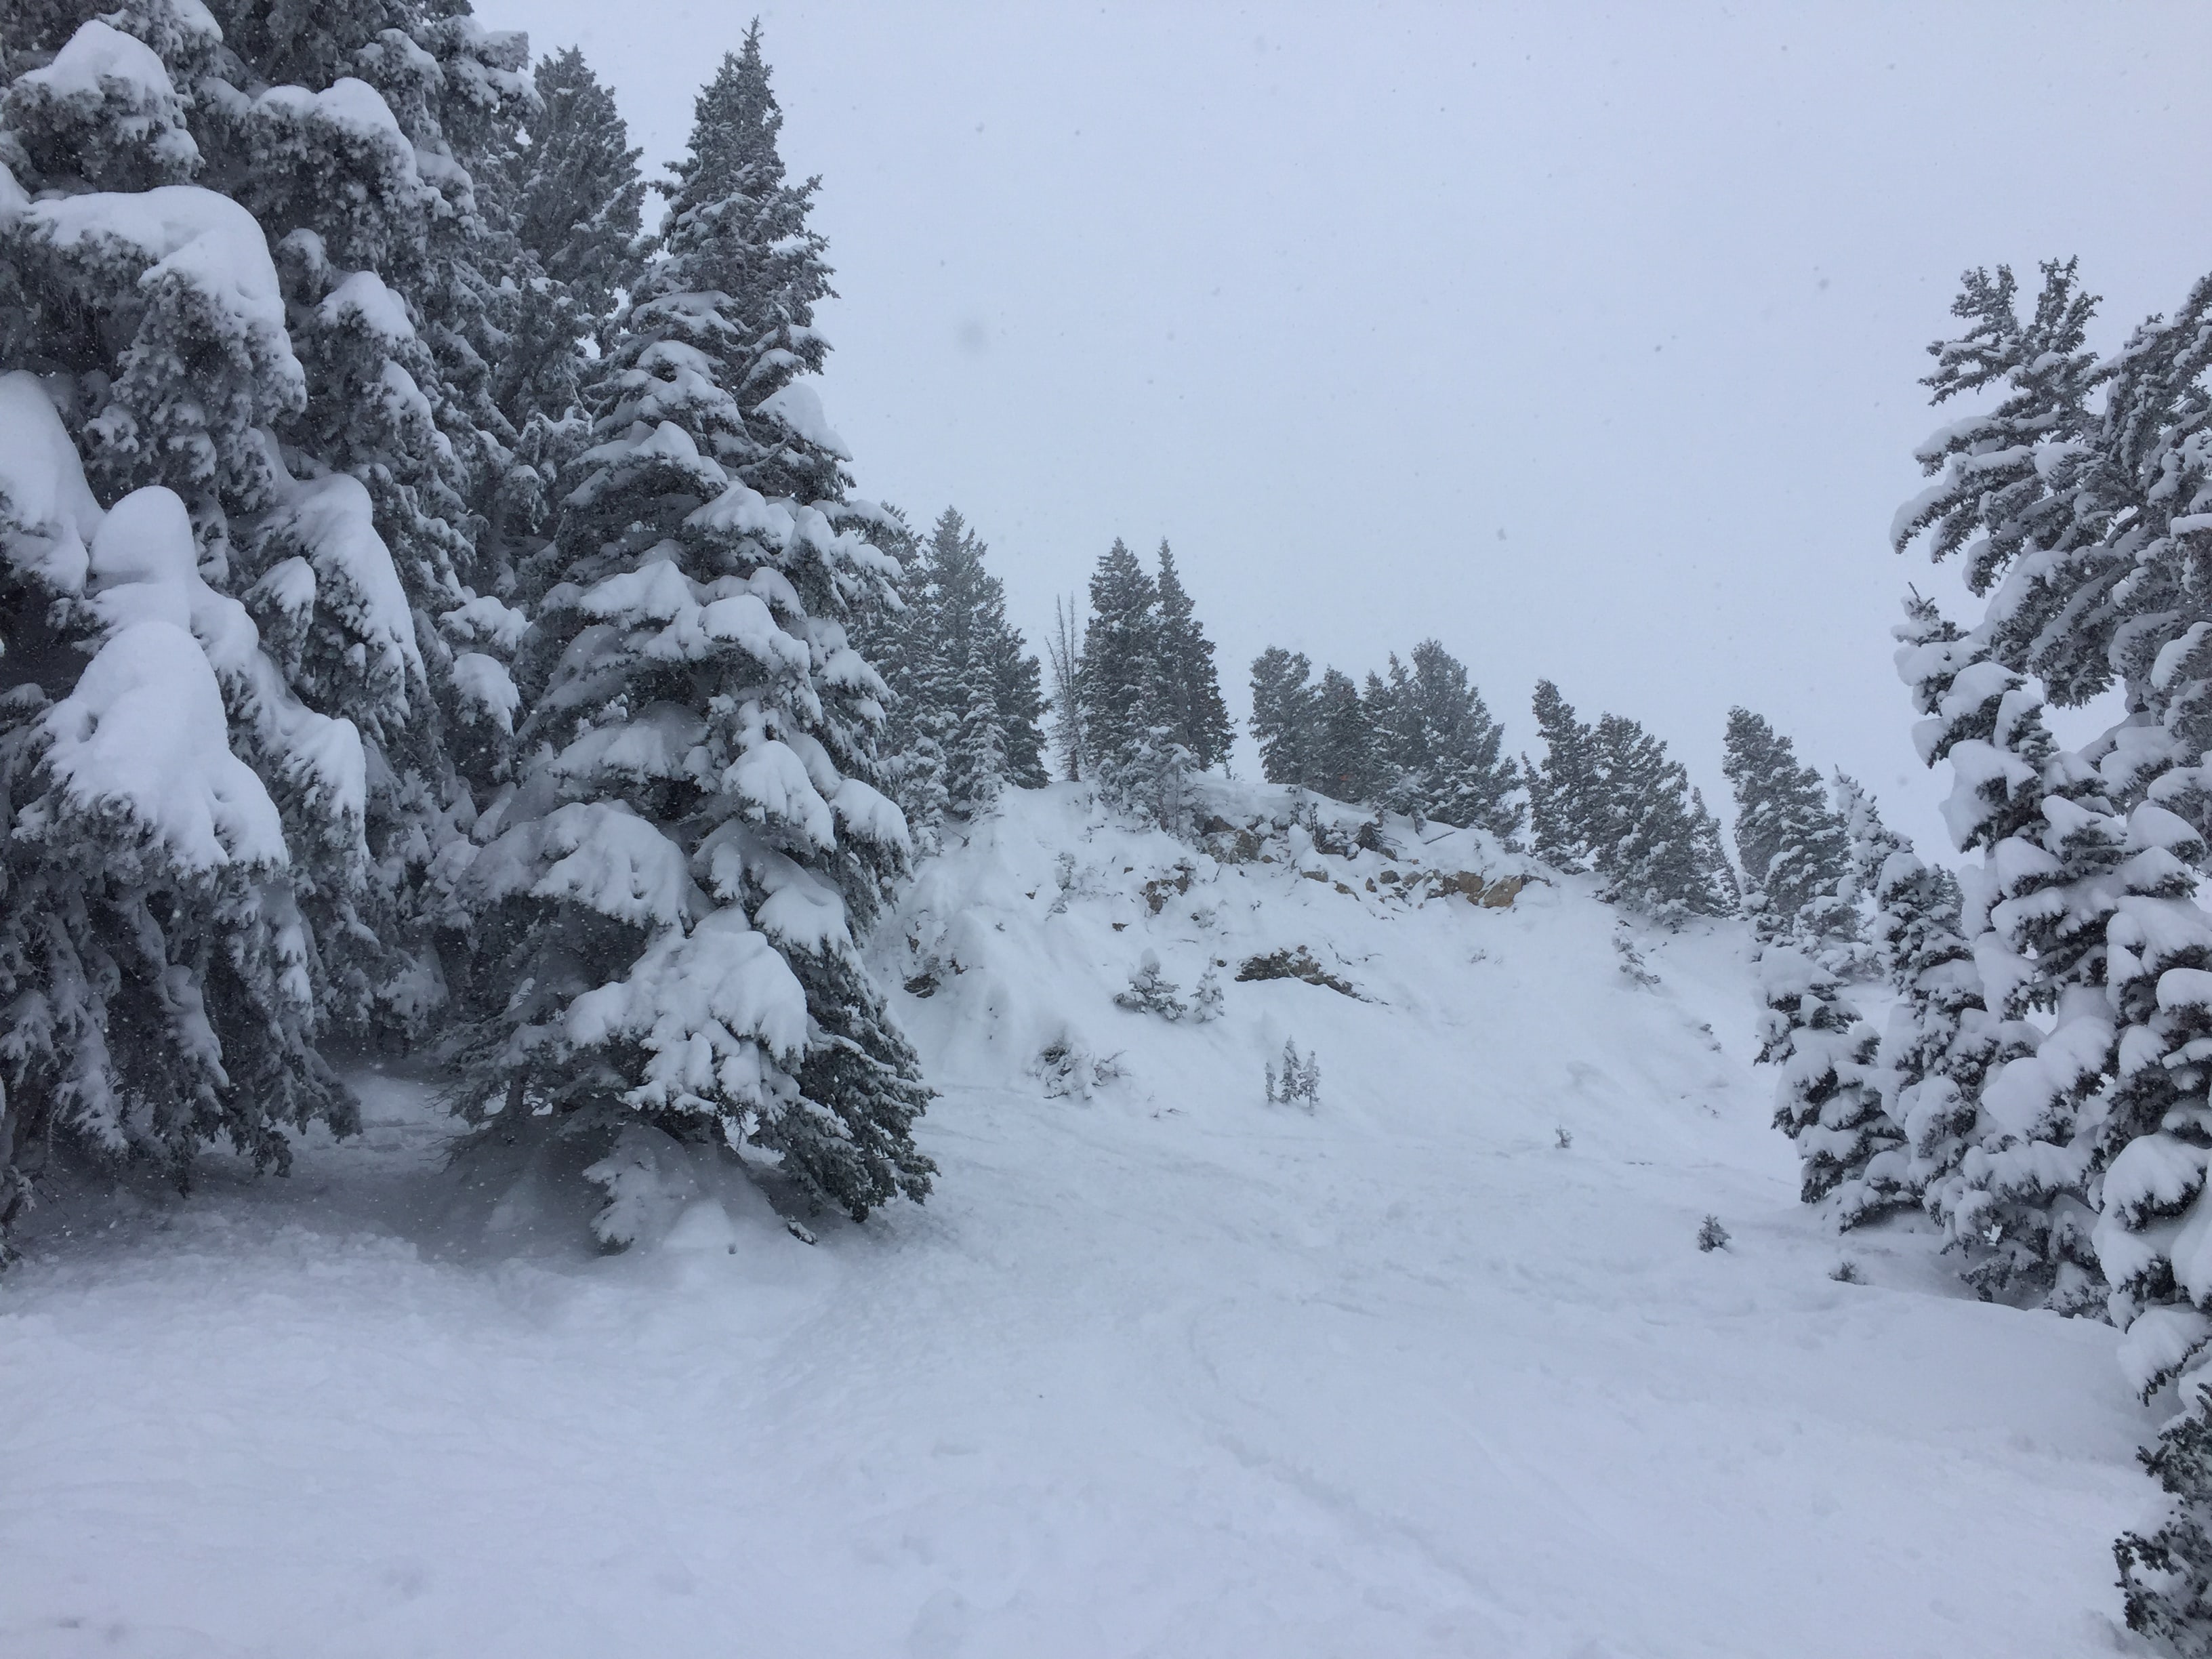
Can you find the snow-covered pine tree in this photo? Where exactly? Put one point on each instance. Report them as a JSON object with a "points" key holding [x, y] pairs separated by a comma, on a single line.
{"points": [[1711, 855], [1152, 992], [1794, 850], [1343, 762], [1940, 1042], [2083, 518], [1829, 1097], [577, 201], [1470, 782], [1017, 688], [2166, 1578], [2035, 915], [1870, 842], [898, 636], [1197, 716], [177, 348], [357, 139], [2154, 1129], [976, 770], [1561, 787], [1645, 825], [956, 604], [1206, 1002], [158, 981], [1402, 763], [1120, 652], [988, 700], [1282, 715], [673, 899], [1126, 729]]}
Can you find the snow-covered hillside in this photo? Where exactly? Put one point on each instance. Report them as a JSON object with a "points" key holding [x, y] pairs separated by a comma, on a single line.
{"points": [[1436, 1367]]}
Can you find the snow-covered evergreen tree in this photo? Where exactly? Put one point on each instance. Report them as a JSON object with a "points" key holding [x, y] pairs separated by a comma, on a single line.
{"points": [[159, 981], [1794, 850], [1195, 714], [1562, 785], [2035, 917], [578, 205], [1121, 699], [286, 402], [1206, 1002], [672, 900], [1648, 831], [356, 142], [1130, 729], [1940, 1042], [2153, 1133], [1152, 992], [2166, 1578], [1343, 761], [960, 677], [1441, 751], [1282, 715], [1830, 1093]]}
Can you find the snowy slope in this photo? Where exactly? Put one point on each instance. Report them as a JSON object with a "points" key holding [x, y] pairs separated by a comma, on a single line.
{"points": [[1165, 1370]]}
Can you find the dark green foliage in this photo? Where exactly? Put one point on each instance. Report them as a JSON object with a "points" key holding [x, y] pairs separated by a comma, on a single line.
{"points": [[1421, 742], [1282, 715], [1609, 799], [1190, 689], [1121, 659], [1795, 850], [2166, 1578], [1561, 786], [1441, 753]]}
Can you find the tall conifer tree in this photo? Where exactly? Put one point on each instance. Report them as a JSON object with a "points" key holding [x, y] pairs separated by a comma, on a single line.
{"points": [[1197, 716], [675, 901]]}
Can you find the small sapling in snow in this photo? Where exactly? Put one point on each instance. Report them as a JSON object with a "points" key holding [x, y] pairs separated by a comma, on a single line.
{"points": [[1562, 1139], [1711, 1235], [1633, 968], [1205, 1001], [1299, 1082], [1846, 1272]]}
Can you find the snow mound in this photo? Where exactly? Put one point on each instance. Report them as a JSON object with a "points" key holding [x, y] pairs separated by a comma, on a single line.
{"points": [[207, 240], [47, 513], [143, 736]]}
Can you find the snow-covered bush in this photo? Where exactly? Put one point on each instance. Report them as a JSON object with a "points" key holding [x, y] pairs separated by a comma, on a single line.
{"points": [[1206, 1001], [1633, 967], [1151, 991], [1298, 1081], [1068, 1066]]}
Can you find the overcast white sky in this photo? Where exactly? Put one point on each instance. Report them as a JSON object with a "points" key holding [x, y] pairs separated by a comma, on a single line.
{"points": [[1583, 338]]}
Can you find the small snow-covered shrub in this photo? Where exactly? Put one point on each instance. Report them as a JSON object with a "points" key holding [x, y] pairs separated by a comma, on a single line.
{"points": [[1562, 1139], [1298, 1083], [1151, 991], [1846, 1272], [1068, 1068], [1633, 968], [1711, 1235], [1206, 1002]]}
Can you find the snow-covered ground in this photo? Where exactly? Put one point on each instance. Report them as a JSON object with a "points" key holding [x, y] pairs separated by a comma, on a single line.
{"points": [[1165, 1370]]}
